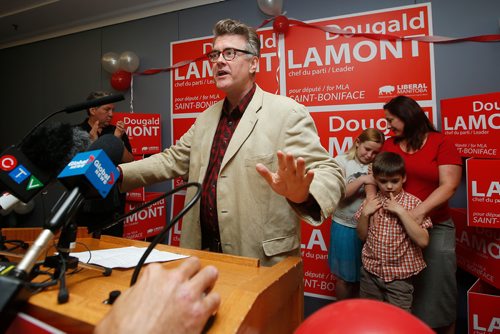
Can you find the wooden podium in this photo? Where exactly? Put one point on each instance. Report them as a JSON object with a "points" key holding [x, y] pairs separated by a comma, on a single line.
{"points": [[254, 299]]}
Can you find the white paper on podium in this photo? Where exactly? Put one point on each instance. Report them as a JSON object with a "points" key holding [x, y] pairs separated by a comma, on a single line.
{"points": [[124, 257]]}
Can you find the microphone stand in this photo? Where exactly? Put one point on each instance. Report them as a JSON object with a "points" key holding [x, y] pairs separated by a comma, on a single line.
{"points": [[63, 261], [15, 286], [165, 230]]}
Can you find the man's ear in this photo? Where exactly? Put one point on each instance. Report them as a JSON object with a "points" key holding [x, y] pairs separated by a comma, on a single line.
{"points": [[404, 179], [253, 65], [92, 111]]}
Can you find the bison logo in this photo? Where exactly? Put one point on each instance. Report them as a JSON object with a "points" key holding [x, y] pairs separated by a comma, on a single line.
{"points": [[386, 90]]}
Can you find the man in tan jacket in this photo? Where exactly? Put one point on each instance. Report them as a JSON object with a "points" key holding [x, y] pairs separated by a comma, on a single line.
{"points": [[233, 149]]}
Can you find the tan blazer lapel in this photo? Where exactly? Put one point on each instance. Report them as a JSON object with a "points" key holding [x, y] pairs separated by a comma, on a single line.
{"points": [[208, 129], [245, 126]]}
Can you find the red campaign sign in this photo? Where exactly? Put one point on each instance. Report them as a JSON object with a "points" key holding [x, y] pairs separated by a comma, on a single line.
{"points": [[149, 221], [339, 129], [267, 73], [483, 193], [138, 194], [484, 316], [318, 280], [143, 130], [193, 88], [174, 237], [180, 126], [473, 122], [478, 250], [325, 69]]}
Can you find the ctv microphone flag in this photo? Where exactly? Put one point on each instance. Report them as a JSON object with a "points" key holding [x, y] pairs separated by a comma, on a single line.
{"points": [[95, 167], [21, 177]]}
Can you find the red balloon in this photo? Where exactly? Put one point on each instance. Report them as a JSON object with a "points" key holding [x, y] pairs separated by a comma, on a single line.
{"points": [[280, 24], [362, 316], [120, 80]]}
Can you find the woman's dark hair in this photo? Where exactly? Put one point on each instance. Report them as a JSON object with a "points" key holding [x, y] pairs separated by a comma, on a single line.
{"points": [[417, 125]]}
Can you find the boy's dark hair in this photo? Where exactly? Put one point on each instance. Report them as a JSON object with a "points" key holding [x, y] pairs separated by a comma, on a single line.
{"points": [[388, 164]]}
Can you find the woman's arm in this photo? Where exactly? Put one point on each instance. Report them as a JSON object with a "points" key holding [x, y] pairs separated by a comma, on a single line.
{"points": [[419, 235], [449, 180]]}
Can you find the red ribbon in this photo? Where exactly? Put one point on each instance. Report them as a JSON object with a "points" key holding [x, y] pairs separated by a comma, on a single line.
{"points": [[180, 64], [424, 39]]}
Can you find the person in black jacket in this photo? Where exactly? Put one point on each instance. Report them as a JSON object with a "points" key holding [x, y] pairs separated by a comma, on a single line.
{"points": [[96, 212]]}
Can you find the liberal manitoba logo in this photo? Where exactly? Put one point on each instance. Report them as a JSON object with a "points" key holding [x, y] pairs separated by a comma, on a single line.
{"points": [[403, 89]]}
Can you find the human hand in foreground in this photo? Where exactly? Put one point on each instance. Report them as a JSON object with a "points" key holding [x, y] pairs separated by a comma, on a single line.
{"points": [[164, 300], [291, 179]]}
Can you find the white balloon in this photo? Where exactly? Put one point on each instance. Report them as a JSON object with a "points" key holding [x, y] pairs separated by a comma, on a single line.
{"points": [[110, 62], [271, 7], [129, 61]]}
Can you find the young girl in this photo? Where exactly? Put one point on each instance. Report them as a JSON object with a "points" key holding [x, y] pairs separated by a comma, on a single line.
{"points": [[344, 255]]}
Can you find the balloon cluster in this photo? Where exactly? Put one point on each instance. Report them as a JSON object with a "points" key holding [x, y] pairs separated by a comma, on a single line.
{"points": [[121, 68]]}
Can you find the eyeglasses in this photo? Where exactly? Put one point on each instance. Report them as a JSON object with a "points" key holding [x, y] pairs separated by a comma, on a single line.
{"points": [[228, 54]]}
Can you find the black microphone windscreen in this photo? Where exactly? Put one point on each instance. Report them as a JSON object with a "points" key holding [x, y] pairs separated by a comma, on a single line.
{"points": [[51, 147], [111, 145], [94, 103]]}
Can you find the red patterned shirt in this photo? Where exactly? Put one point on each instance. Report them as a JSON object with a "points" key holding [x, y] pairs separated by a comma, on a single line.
{"points": [[228, 122], [389, 253]]}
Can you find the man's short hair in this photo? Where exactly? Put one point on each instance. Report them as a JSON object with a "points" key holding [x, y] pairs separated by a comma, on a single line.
{"points": [[234, 27], [388, 164], [96, 95]]}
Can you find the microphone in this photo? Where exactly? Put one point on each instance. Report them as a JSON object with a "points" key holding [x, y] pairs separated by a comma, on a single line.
{"points": [[93, 103], [112, 145], [87, 170], [26, 169], [88, 174], [77, 107], [94, 171]]}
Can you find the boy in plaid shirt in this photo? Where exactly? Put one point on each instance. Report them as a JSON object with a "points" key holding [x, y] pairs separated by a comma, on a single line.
{"points": [[392, 253]]}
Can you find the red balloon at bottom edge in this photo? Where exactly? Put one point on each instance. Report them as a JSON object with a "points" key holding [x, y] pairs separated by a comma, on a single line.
{"points": [[362, 316], [120, 80]]}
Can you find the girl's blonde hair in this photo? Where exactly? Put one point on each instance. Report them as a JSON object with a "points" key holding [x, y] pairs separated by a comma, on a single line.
{"points": [[370, 134]]}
